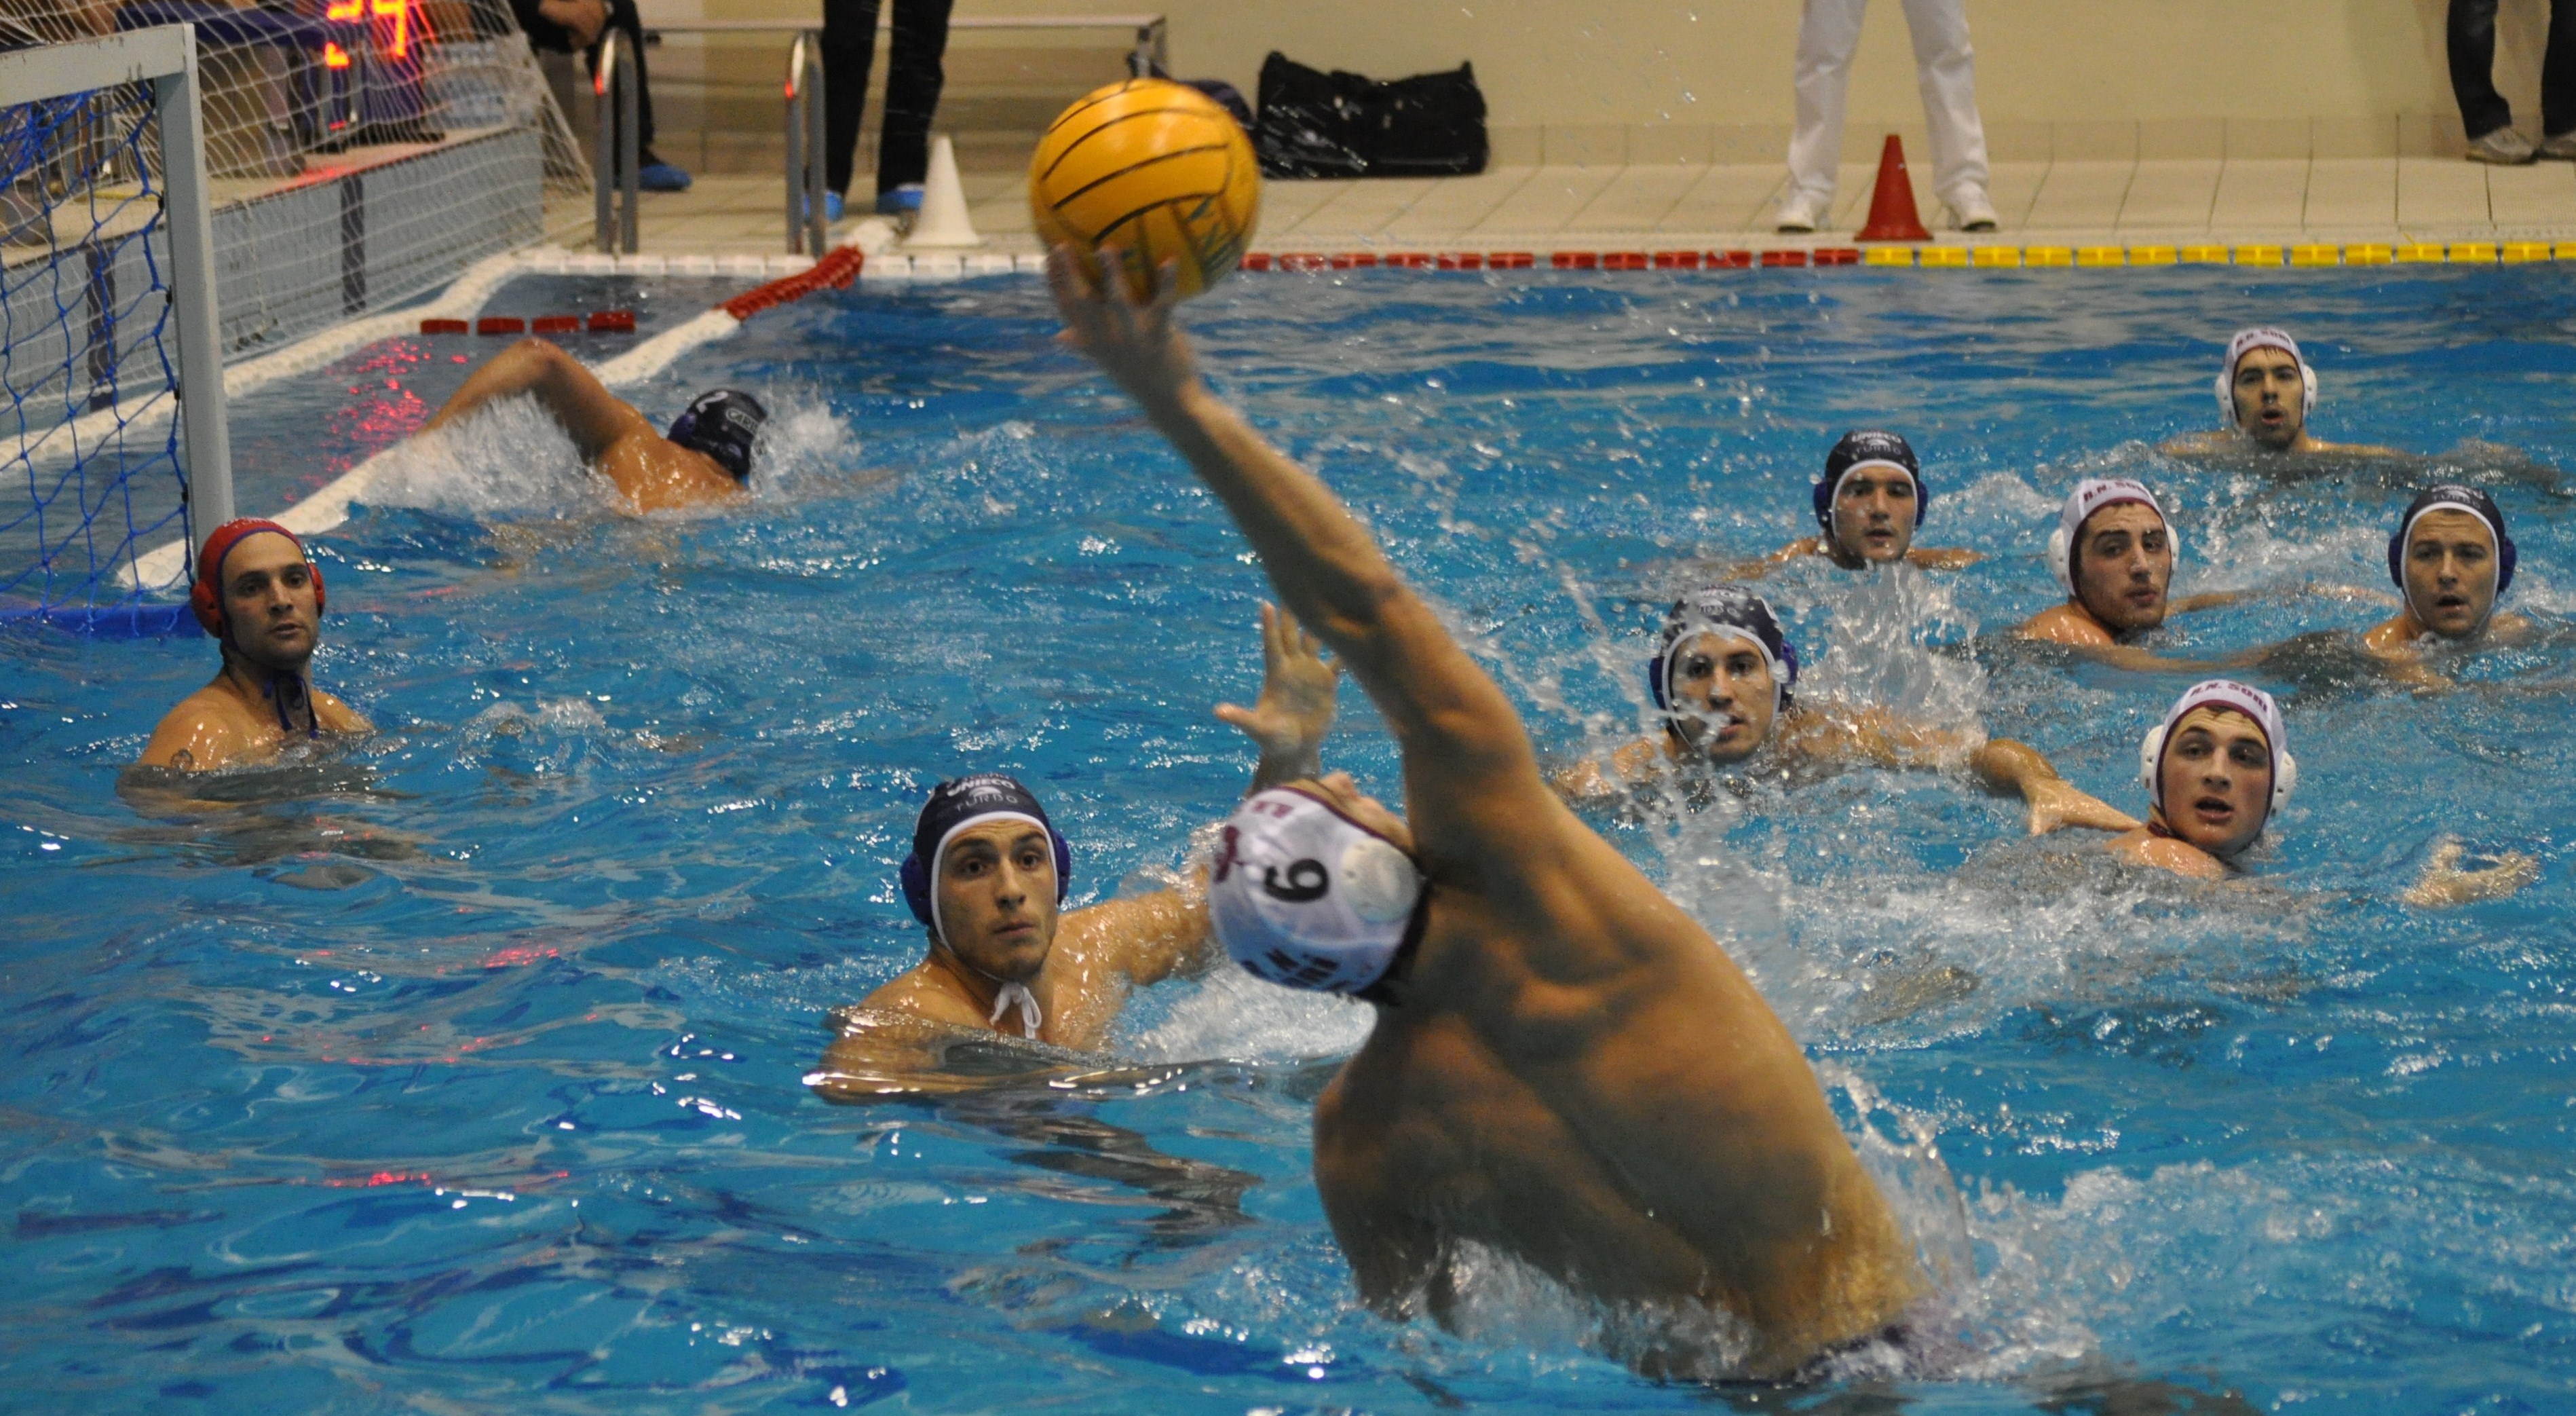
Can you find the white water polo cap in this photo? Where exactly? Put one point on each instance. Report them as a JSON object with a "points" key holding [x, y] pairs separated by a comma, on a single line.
{"points": [[1305, 897], [2090, 496], [2254, 703], [2246, 342]]}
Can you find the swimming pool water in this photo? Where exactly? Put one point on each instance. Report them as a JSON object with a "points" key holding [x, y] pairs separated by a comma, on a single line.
{"points": [[462, 1071]]}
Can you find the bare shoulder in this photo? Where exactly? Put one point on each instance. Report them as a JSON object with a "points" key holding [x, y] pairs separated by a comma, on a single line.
{"points": [[204, 731], [1944, 557], [2196, 444], [2141, 847], [2388, 639], [336, 716], [2064, 624], [657, 474], [918, 992]]}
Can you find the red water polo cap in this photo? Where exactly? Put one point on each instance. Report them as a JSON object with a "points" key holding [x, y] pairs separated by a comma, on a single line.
{"points": [[206, 596]]}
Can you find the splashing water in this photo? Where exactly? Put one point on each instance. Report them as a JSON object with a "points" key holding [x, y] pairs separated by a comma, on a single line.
{"points": [[465, 1069]]}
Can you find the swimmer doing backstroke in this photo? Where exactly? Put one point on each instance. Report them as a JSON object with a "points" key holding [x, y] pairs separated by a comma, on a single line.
{"points": [[1869, 503], [989, 873], [704, 458], [1563, 1065]]}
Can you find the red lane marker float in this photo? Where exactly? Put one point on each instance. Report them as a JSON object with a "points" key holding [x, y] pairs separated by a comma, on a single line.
{"points": [[1510, 260], [1304, 260], [500, 324], [554, 324], [1730, 260], [444, 326], [838, 267], [612, 321], [1355, 260], [1575, 260], [1676, 260], [1623, 260], [1461, 260], [1784, 258], [1837, 255], [1257, 260], [1409, 260]]}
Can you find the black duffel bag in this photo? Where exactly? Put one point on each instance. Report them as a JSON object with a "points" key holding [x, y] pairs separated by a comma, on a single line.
{"points": [[1314, 124]]}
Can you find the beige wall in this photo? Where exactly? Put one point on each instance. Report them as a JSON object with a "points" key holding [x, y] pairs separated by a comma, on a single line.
{"points": [[2179, 67], [1703, 80]]}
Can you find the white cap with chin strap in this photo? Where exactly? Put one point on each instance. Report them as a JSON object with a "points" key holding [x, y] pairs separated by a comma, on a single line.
{"points": [[2090, 496], [2246, 342], [2236, 697]]}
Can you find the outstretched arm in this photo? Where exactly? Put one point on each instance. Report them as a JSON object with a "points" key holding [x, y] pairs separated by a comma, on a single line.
{"points": [[2445, 884], [1880, 738], [594, 417], [2009, 766], [1466, 757]]}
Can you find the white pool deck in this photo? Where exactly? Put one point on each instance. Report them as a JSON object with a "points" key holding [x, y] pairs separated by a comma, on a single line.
{"points": [[1544, 208]]}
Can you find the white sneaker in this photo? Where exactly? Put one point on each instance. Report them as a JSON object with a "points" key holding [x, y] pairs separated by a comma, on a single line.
{"points": [[2503, 147], [1798, 214], [1971, 211]]}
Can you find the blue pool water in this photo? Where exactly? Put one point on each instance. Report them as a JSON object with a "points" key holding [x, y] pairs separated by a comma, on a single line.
{"points": [[462, 1072]]}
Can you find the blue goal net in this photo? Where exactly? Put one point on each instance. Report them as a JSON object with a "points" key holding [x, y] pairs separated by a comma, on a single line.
{"points": [[89, 356]]}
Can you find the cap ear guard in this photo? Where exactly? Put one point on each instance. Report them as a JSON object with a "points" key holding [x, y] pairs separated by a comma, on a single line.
{"points": [[915, 878], [2061, 547], [2151, 754], [205, 594], [2506, 556]]}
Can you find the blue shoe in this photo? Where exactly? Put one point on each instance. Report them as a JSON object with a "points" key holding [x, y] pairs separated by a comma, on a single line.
{"points": [[902, 201], [831, 208], [661, 177]]}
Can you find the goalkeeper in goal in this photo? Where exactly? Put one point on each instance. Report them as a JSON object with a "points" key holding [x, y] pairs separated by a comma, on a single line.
{"points": [[261, 598]]}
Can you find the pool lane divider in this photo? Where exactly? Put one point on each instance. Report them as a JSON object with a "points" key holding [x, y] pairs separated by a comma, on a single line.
{"points": [[1932, 257], [329, 507]]}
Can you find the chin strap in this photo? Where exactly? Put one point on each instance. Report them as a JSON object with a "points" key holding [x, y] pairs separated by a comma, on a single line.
{"points": [[1010, 993], [289, 694]]}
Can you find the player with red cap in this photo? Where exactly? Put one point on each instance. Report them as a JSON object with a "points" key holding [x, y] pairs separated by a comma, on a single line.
{"points": [[261, 598]]}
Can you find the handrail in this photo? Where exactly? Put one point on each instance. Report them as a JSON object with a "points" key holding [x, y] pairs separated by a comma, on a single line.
{"points": [[1152, 51], [614, 156], [808, 223]]}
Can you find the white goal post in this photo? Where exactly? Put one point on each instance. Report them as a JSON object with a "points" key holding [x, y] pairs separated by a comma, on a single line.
{"points": [[48, 237]]}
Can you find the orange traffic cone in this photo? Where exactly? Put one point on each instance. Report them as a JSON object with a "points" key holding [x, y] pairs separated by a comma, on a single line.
{"points": [[1892, 216]]}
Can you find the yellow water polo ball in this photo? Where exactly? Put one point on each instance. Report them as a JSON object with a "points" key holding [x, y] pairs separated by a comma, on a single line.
{"points": [[1154, 169]]}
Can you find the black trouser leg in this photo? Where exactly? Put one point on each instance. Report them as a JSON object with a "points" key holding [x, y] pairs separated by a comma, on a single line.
{"points": [[2472, 46], [849, 48], [2558, 71], [914, 78], [622, 16]]}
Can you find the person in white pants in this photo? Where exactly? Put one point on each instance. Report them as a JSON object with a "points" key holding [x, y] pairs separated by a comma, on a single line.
{"points": [[1828, 35]]}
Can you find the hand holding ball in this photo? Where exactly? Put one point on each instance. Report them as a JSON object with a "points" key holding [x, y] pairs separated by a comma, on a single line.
{"points": [[1155, 170]]}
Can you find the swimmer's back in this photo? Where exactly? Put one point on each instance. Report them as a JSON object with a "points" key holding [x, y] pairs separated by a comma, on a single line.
{"points": [[1575, 1072], [657, 474]]}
